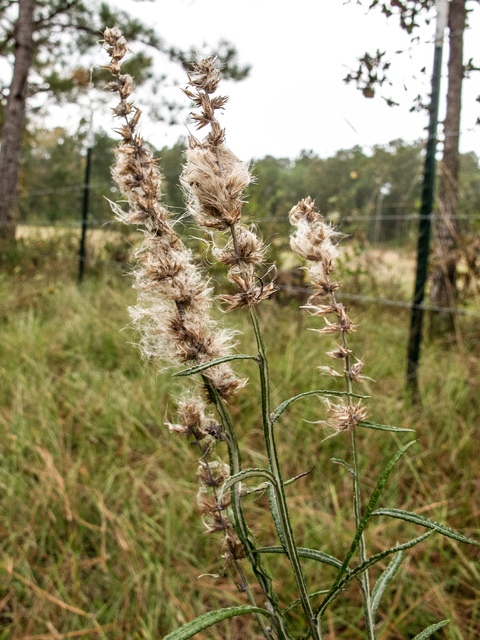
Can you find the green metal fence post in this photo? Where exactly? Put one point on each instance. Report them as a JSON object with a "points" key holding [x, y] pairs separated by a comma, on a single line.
{"points": [[426, 209]]}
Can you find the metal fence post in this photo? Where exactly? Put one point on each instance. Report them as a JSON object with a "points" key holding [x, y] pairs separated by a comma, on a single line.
{"points": [[86, 193], [426, 210]]}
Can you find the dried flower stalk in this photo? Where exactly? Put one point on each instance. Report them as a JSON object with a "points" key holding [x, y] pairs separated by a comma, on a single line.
{"points": [[215, 180], [174, 297], [314, 240]]}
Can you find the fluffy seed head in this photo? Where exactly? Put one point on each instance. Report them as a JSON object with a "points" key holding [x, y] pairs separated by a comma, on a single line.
{"points": [[345, 417], [174, 298]]}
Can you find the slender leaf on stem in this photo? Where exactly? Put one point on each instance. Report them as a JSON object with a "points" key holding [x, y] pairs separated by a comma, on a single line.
{"points": [[383, 427], [264, 485], [343, 464], [311, 554], [424, 522], [297, 602], [384, 580], [337, 588], [300, 475], [426, 633], [363, 523], [213, 363], [210, 618], [272, 498], [320, 392], [243, 475]]}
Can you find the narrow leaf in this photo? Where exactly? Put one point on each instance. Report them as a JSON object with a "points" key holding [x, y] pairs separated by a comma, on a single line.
{"points": [[208, 619], [424, 522], [300, 475], [311, 554], [244, 475], [297, 602], [213, 363], [363, 523], [337, 587], [426, 633], [343, 464], [384, 580], [272, 498], [321, 392], [382, 427]]}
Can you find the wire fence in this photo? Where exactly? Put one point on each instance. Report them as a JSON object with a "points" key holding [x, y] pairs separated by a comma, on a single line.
{"points": [[67, 253]]}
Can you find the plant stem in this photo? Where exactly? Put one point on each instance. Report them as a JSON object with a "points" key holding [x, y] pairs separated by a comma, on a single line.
{"points": [[240, 524], [357, 502], [291, 548], [363, 579]]}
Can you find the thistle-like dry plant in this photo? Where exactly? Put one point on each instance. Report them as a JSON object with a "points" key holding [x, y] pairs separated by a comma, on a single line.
{"points": [[172, 315]]}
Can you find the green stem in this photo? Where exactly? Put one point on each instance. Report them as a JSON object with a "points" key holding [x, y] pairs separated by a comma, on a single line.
{"points": [[362, 552], [266, 631], [363, 579], [290, 545], [240, 523]]}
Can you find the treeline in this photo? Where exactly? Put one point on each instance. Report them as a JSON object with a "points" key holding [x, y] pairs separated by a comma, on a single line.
{"points": [[370, 193]]}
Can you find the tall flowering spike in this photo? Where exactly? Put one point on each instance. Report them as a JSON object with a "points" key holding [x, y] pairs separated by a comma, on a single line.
{"points": [[174, 298], [215, 180], [314, 241]]}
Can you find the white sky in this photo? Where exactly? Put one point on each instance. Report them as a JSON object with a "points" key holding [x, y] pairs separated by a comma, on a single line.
{"points": [[294, 97]]}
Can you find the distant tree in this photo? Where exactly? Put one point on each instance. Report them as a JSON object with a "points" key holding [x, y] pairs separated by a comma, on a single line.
{"points": [[372, 73], [44, 41]]}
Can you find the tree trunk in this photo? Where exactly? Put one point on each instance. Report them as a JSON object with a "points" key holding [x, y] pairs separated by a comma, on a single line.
{"points": [[14, 117], [444, 289]]}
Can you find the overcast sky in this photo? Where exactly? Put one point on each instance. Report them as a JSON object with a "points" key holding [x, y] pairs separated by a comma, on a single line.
{"points": [[300, 50]]}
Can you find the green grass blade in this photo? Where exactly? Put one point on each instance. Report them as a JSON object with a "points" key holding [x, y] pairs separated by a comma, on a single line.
{"points": [[208, 619], [430, 630], [320, 392], [383, 427], [384, 580], [244, 475], [311, 554], [206, 365], [424, 522]]}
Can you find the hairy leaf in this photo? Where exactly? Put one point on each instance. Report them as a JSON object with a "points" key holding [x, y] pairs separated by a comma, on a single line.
{"points": [[311, 554], [208, 619], [424, 522], [337, 587], [426, 633], [272, 499], [343, 464], [297, 602], [363, 523], [384, 580], [382, 427], [243, 475], [321, 392], [206, 365]]}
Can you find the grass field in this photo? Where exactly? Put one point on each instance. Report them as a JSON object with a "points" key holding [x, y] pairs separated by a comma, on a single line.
{"points": [[99, 531]]}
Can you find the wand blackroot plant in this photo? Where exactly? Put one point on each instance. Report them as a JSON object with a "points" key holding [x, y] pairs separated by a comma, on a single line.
{"points": [[172, 315]]}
